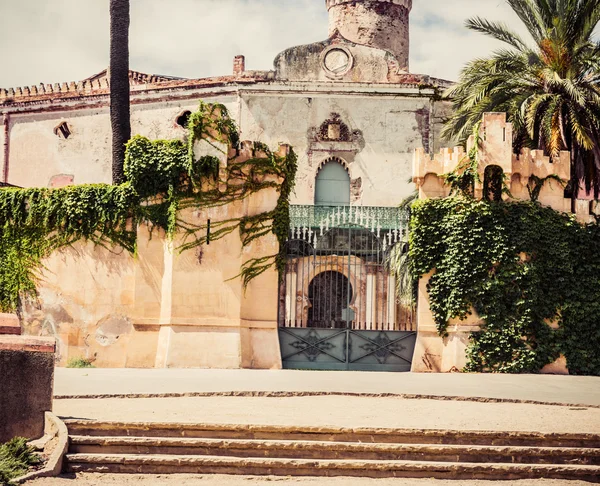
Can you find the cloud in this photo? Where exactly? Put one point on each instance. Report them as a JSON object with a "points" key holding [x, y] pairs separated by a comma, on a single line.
{"points": [[63, 40], [440, 43]]}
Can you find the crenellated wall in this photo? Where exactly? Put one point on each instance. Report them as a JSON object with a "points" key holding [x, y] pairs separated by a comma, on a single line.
{"points": [[495, 149], [432, 352]]}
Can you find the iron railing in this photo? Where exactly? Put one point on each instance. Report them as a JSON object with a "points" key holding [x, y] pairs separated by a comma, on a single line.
{"points": [[370, 217]]}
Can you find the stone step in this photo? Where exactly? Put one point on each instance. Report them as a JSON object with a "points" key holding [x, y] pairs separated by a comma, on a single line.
{"points": [[171, 464], [328, 434], [332, 450]]}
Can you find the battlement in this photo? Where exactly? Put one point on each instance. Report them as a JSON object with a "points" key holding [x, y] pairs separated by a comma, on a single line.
{"points": [[495, 150], [527, 164], [535, 163], [403, 3], [81, 87], [445, 161]]}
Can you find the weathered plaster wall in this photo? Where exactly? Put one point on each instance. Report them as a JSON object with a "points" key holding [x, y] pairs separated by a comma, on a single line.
{"points": [[85, 301], [383, 24], [163, 308], [385, 131], [385, 127], [348, 63], [39, 157]]}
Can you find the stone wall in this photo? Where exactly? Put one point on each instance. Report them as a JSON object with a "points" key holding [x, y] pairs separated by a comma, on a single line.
{"points": [[496, 150], [41, 156], [164, 308], [432, 352], [383, 130]]}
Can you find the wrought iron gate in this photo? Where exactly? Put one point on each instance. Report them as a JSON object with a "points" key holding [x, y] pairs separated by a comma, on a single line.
{"points": [[338, 306]]}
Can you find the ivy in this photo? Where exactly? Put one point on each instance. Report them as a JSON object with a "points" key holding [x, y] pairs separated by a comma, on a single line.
{"points": [[521, 266], [164, 178]]}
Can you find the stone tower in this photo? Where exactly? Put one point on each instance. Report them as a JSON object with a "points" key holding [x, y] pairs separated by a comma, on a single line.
{"points": [[383, 24]]}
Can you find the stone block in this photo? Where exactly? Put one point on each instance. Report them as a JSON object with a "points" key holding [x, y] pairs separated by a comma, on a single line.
{"points": [[26, 385], [9, 324], [559, 367]]}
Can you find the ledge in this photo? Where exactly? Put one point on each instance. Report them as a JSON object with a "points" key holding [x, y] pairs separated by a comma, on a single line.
{"points": [[9, 324], [27, 343]]}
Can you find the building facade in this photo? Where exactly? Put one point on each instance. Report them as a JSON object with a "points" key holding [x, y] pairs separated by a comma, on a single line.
{"points": [[354, 114]]}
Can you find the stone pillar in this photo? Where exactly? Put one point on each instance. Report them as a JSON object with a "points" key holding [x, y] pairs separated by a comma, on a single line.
{"points": [[290, 295], [26, 385], [370, 299], [391, 303]]}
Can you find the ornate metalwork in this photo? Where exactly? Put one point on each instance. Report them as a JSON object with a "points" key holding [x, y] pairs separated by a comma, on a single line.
{"points": [[338, 303], [346, 349], [383, 347], [312, 345], [368, 217]]}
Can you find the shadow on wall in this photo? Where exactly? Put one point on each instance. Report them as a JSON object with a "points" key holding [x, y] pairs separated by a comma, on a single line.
{"points": [[84, 298]]}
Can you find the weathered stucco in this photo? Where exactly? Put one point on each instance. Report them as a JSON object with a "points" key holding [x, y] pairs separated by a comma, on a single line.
{"points": [[383, 24], [163, 308], [348, 98], [387, 124]]}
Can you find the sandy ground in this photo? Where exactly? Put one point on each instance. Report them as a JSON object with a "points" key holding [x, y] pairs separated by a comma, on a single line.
{"points": [[338, 411], [186, 480]]}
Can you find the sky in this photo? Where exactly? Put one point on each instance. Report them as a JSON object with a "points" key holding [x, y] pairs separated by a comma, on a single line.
{"points": [[68, 40]]}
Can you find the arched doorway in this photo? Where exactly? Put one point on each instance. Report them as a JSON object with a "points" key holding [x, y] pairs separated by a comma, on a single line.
{"points": [[493, 183], [332, 187], [330, 294]]}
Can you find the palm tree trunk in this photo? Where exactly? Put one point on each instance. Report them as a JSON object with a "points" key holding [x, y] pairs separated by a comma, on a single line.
{"points": [[119, 85]]}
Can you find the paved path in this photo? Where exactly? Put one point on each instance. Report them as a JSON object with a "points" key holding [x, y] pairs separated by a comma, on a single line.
{"points": [[186, 480], [174, 382], [338, 411]]}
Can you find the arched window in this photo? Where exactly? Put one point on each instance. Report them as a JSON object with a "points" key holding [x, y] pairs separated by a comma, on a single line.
{"points": [[333, 185]]}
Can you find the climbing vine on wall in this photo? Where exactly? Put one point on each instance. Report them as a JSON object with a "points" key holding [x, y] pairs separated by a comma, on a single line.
{"points": [[164, 178], [522, 267]]}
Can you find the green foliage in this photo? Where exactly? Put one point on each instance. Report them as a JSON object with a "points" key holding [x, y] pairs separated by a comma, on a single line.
{"points": [[80, 363], [521, 266], [546, 83], [164, 178], [152, 167], [462, 180], [16, 458], [35, 222]]}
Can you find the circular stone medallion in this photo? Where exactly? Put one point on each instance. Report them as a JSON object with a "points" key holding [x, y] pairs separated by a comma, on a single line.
{"points": [[337, 61]]}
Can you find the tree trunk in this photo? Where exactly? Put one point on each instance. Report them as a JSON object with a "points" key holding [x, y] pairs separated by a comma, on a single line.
{"points": [[119, 85]]}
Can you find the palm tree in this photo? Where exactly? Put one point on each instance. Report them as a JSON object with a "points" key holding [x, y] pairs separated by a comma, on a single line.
{"points": [[119, 85], [548, 85]]}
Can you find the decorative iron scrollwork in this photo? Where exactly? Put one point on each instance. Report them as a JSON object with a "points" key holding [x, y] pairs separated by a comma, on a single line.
{"points": [[312, 345]]}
